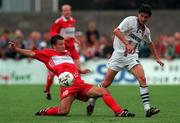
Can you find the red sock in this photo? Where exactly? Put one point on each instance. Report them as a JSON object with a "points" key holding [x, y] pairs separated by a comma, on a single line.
{"points": [[110, 102], [49, 82], [53, 110]]}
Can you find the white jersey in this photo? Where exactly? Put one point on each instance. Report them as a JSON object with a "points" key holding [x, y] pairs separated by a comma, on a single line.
{"points": [[133, 34]]}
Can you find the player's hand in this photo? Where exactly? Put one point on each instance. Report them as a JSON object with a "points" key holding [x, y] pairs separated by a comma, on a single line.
{"points": [[77, 41], [12, 45], [129, 49], [160, 62], [85, 71]]}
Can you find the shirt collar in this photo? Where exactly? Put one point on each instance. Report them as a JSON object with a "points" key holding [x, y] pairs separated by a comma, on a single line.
{"points": [[65, 19]]}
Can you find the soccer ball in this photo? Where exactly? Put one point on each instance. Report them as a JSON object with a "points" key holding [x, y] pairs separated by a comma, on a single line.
{"points": [[66, 79]]}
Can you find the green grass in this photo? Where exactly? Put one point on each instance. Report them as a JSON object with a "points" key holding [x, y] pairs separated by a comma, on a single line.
{"points": [[18, 104]]}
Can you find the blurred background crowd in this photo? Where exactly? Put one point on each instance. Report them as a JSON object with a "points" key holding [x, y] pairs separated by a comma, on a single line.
{"points": [[92, 43], [27, 23]]}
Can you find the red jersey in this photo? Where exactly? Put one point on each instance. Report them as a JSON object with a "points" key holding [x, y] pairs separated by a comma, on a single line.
{"points": [[65, 28], [57, 62]]}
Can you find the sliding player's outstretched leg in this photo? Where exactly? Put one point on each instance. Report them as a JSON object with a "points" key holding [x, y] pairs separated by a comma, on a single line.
{"points": [[109, 101], [106, 82], [61, 110]]}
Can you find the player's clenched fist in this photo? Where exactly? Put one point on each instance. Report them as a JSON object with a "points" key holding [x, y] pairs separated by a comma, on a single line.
{"points": [[160, 62], [129, 48], [12, 45]]}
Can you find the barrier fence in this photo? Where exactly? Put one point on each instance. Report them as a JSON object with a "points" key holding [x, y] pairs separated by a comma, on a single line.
{"points": [[34, 72]]}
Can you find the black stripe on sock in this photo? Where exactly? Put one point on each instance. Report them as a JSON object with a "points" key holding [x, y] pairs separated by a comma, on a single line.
{"points": [[144, 94], [145, 97], [143, 86], [146, 101]]}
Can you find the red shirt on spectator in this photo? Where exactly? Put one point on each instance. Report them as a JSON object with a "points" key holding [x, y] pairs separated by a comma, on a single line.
{"points": [[177, 49]]}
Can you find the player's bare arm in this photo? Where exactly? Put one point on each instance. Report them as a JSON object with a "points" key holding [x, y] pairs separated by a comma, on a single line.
{"points": [[155, 54], [25, 52], [120, 35]]}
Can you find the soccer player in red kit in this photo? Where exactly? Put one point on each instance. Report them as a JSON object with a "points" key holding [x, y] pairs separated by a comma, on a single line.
{"points": [[58, 60], [64, 26]]}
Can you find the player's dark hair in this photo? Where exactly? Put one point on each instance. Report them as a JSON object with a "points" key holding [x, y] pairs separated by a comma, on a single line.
{"points": [[55, 38], [145, 8]]}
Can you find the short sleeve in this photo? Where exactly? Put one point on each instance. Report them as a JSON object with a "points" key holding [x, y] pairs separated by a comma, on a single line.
{"points": [[55, 27], [126, 24], [148, 37], [41, 55]]}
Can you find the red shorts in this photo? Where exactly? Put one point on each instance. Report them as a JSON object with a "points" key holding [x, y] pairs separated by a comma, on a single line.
{"points": [[79, 91], [73, 52]]}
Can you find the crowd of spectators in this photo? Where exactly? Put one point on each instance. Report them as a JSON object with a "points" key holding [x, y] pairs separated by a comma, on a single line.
{"points": [[168, 46], [92, 44]]}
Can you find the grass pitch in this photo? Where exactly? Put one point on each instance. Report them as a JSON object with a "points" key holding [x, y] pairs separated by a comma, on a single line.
{"points": [[19, 103]]}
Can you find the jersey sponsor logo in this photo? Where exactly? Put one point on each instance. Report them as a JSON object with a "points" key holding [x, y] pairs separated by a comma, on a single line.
{"points": [[133, 36], [67, 32], [56, 60]]}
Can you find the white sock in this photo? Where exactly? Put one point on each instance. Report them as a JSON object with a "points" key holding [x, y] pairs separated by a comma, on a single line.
{"points": [[99, 85], [145, 97], [92, 101]]}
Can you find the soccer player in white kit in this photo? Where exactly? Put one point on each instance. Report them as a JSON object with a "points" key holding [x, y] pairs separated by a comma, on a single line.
{"points": [[128, 36]]}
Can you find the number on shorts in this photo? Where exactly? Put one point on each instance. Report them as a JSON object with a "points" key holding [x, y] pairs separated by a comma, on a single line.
{"points": [[65, 92]]}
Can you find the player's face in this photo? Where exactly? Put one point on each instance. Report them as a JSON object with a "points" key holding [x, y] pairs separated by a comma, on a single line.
{"points": [[59, 46], [66, 11], [143, 17]]}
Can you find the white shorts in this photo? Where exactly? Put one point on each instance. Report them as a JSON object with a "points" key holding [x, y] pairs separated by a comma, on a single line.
{"points": [[119, 61]]}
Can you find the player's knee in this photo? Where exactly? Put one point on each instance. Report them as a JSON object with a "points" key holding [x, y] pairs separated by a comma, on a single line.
{"points": [[103, 91], [142, 79]]}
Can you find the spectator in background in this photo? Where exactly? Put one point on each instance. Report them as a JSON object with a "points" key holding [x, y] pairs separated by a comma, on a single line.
{"points": [[46, 39], [4, 39], [28, 43], [86, 50], [106, 46], [36, 37], [45, 42], [92, 30], [177, 44], [33, 40], [82, 47], [170, 48], [18, 33], [93, 48], [160, 45], [19, 37]]}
